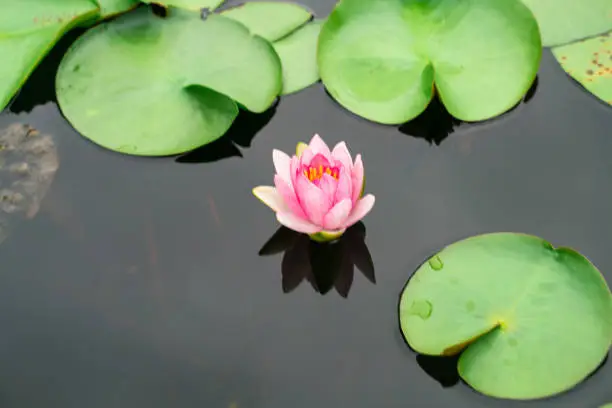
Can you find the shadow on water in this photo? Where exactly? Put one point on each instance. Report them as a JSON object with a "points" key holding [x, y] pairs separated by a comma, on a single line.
{"points": [[241, 133], [323, 265], [435, 123], [442, 369]]}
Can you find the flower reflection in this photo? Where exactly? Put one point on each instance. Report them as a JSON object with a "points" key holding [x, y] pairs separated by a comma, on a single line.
{"points": [[323, 265]]}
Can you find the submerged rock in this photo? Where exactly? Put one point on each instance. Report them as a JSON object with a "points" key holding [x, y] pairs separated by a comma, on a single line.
{"points": [[28, 163]]}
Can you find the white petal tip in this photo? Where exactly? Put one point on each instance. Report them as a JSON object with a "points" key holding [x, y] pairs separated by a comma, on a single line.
{"points": [[268, 196]]}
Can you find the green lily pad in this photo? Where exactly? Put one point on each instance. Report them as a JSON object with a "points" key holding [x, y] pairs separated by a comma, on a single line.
{"points": [[28, 30], [187, 4], [298, 55], [110, 8], [168, 84], [563, 21], [380, 59], [590, 63], [269, 20], [533, 320]]}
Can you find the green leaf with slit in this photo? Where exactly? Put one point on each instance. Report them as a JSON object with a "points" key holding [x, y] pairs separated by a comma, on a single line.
{"points": [[590, 63], [380, 59], [194, 5], [532, 320], [168, 84], [298, 55], [28, 30], [563, 21], [270, 20], [109, 8]]}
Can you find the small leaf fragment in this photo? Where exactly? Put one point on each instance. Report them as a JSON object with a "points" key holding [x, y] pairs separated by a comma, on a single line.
{"points": [[298, 55], [270, 20], [564, 21], [194, 5], [590, 63], [28, 30], [109, 8]]}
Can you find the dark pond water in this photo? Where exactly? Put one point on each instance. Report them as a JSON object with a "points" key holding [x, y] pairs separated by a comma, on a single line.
{"points": [[139, 283]]}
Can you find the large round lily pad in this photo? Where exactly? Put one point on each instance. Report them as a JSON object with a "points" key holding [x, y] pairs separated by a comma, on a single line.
{"points": [[147, 85], [590, 63], [380, 59], [563, 21], [28, 30], [534, 320]]}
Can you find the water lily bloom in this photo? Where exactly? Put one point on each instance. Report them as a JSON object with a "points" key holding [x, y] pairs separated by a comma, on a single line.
{"points": [[317, 191]]}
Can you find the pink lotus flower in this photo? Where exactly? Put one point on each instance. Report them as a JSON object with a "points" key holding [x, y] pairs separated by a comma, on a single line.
{"points": [[317, 191]]}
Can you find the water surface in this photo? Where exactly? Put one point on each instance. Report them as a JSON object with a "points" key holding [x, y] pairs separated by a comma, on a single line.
{"points": [[139, 282]]}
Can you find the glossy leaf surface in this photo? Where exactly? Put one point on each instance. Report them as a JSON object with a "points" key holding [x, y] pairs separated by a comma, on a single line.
{"points": [[160, 92], [533, 320], [381, 59]]}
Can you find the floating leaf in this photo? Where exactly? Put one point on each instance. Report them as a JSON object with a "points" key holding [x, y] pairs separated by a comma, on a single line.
{"points": [[590, 63], [187, 4], [298, 54], [28, 30], [563, 21], [167, 84], [379, 59], [534, 320], [269, 20], [110, 8]]}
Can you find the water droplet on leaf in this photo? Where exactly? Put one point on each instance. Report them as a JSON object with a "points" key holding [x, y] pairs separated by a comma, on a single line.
{"points": [[421, 308], [436, 263]]}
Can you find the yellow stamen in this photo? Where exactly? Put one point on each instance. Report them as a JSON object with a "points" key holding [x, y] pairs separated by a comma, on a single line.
{"points": [[316, 173]]}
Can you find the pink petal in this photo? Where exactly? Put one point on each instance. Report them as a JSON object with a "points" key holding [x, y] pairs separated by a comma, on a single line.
{"points": [[342, 155], [336, 217], [270, 197], [312, 199], [282, 164], [345, 186], [360, 210], [320, 160], [294, 167], [287, 193], [297, 224], [317, 145], [328, 185], [357, 178], [306, 157]]}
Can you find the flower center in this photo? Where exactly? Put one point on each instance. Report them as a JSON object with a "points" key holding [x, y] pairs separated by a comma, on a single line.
{"points": [[314, 173]]}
